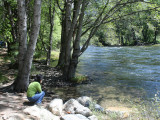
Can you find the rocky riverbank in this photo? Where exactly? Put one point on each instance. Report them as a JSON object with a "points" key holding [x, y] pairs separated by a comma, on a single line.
{"points": [[16, 107]]}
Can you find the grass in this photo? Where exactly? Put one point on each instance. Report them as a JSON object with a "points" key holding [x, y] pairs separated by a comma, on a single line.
{"points": [[142, 110], [54, 58], [79, 79], [42, 57], [150, 110]]}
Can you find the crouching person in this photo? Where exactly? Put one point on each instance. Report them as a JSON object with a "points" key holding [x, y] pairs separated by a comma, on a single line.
{"points": [[34, 91]]}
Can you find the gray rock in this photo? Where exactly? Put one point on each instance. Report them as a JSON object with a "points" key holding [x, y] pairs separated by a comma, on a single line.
{"points": [[14, 116], [93, 117], [74, 117], [84, 100], [56, 106], [74, 107], [98, 108], [40, 113]]}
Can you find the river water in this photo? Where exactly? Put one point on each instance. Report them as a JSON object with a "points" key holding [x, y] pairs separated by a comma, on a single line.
{"points": [[119, 74]]}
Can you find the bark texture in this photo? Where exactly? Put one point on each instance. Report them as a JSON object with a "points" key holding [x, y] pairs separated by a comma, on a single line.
{"points": [[22, 81]]}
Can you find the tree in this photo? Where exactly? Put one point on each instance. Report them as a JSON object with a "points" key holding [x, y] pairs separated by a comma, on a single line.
{"points": [[72, 13], [69, 28], [51, 14], [8, 27], [26, 51]]}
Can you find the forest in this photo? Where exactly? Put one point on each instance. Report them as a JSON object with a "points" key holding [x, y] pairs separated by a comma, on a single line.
{"points": [[56, 33]]}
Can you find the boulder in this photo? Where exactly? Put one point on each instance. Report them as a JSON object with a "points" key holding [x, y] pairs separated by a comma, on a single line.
{"points": [[74, 117], [84, 100], [72, 106], [40, 113], [93, 117], [56, 107], [13, 116], [98, 108]]}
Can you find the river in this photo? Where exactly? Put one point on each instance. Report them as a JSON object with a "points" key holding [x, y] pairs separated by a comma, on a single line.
{"points": [[119, 74]]}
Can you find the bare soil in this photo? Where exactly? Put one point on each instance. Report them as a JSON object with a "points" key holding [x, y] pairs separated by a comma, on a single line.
{"points": [[12, 103]]}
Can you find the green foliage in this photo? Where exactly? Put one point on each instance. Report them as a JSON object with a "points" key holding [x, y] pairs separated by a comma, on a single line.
{"points": [[54, 63], [3, 79], [79, 79], [43, 40], [39, 55]]}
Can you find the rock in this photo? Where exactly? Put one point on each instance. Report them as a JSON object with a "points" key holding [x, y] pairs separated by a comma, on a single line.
{"points": [[74, 117], [13, 116], [98, 108], [93, 117], [56, 106], [84, 100], [74, 107], [121, 111], [40, 113]]}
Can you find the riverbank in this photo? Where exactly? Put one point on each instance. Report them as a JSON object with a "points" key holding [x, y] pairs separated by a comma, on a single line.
{"points": [[112, 93], [16, 106], [13, 103]]}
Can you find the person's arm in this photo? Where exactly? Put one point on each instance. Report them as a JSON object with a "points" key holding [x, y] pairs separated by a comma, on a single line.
{"points": [[39, 89]]}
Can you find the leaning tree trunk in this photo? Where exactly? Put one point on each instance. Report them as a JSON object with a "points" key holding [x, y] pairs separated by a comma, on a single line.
{"points": [[22, 80], [51, 32]]}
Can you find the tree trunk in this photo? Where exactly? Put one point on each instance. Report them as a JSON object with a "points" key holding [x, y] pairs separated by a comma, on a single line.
{"points": [[62, 49], [76, 45], [10, 15], [22, 80], [22, 25], [51, 32], [70, 33], [63, 37], [155, 36], [66, 26], [122, 41]]}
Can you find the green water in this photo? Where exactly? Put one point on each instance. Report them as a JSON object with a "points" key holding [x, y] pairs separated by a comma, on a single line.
{"points": [[119, 74]]}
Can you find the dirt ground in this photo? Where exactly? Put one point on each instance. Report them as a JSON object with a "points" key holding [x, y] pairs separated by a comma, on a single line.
{"points": [[12, 103]]}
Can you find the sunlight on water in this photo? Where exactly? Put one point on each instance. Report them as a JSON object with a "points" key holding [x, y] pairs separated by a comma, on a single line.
{"points": [[131, 72], [119, 74]]}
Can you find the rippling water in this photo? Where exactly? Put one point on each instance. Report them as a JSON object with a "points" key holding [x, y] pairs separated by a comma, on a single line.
{"points": [[119, 73]]}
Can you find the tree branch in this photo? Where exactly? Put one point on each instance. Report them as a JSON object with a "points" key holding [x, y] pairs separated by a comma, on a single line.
{"points": [[119, 17], [62, 10]]}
